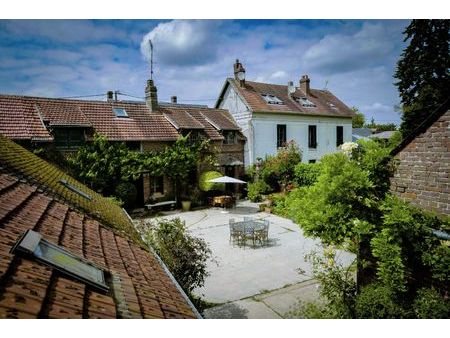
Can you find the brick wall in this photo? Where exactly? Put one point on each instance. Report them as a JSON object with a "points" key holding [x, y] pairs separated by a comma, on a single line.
{"points": [[423, 169]]}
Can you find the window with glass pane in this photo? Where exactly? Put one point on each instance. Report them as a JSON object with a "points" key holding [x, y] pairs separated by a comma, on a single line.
{"points": [[281, 135], [120, 112], [230, 137], [339, 135], [68, 138], [312, 136], [271, 99], [157, 184]]}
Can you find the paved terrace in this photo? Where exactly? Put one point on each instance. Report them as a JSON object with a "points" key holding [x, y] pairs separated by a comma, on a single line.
{"points": [[239, 273]]}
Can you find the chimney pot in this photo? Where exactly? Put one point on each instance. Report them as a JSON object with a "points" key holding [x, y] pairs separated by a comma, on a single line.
{"points": [[173, 99], [239, 73], [304, 84], [151, 96], [290, 88], [109, 96]]}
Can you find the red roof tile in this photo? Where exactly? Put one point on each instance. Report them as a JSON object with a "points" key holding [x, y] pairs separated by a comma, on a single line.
{"points": [[29, 289], [326, 104]]}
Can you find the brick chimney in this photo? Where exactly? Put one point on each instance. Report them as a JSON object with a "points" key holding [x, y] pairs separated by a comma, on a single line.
{"points": [[304, 84], [239, 73], [151, 96], [173, 99], [109, 96]]}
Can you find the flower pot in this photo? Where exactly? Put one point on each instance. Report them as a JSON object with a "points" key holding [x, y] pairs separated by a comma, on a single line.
{"points": [[186, 205]]}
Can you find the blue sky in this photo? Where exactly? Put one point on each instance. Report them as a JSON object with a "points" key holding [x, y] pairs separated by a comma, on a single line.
{"points": [[355, 59]]}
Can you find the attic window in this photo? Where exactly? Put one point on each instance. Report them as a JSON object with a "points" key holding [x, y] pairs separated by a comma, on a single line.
{"points": [[332, 105], [75, 189], [305, 102], [271, 99], [120, 112], [31, 243]]}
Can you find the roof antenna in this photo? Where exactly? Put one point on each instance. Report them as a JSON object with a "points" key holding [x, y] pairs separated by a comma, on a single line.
{"points": [[326, 85], [151, 59]]}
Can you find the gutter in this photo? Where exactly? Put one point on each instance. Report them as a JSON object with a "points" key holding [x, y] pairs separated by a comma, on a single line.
{"points": [[167, 271]]}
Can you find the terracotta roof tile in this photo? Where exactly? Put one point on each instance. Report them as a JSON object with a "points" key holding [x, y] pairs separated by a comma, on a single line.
{"points": [[220, 119], [323, 100], [29, 289]]}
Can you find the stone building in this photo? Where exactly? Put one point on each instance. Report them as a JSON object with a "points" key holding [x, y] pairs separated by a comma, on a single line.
{"points": [[422, 164], [143, 126]]}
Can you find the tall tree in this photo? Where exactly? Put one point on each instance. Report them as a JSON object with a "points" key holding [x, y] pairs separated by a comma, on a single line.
{"points": [[423, 71], [359, 119]]}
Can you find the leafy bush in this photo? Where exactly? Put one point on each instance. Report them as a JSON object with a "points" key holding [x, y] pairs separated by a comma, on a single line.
{"points": [[127, 193], [184, 255], [430, 304], [256, 190], [278, 171], [306, 174], [377, 301], [207, 186]]}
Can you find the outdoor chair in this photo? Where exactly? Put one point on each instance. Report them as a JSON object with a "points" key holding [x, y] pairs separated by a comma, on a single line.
{"points": [[248, 219]]}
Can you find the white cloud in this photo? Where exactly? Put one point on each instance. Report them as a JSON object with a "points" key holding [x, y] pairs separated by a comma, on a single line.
{"points": [[183, 42]]}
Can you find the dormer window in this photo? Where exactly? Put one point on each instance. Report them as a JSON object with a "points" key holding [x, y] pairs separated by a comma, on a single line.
{"points": [[271, 99], [230, 137], [304, 102], [120, 112]]}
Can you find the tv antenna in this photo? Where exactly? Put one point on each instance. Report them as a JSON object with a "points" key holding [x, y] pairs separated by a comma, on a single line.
{"points": [[326, 85], [151, 59]]}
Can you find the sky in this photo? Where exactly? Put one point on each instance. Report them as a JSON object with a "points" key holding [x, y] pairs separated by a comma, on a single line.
{"points": [[354, 59]]}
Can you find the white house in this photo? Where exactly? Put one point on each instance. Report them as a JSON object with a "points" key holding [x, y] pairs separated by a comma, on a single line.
{"points": [[270, 115]]}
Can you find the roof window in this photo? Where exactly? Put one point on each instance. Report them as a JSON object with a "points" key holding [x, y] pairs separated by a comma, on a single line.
{"points": [[332, 105], [120, 112], [75, 189], [271, 99], [304, 102], [31, 243]]}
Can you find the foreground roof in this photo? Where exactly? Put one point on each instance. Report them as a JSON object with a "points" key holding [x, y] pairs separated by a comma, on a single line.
{"points": [[326, 104], [31, 118], [140, 285]]}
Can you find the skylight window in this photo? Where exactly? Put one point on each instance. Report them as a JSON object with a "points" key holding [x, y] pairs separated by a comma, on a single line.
{"points": [[305, 102], [120, 112], [32, 243], [332, 106], [75, 189], [271, 99]]}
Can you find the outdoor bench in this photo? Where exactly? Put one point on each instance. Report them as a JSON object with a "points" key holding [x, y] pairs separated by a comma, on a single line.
{"points": [[161, 204]]}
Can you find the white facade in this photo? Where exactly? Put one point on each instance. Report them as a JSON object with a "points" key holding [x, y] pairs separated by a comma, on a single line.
{"points": [[261, 130]]}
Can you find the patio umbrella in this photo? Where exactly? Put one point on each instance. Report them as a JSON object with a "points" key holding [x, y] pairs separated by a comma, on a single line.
{"points": [[226, 179]]}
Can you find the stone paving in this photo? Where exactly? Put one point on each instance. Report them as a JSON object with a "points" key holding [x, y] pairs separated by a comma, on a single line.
{"points": [[238, 273]]}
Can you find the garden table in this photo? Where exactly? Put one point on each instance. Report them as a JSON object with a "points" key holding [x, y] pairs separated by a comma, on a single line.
{"points": [[249, 229]]}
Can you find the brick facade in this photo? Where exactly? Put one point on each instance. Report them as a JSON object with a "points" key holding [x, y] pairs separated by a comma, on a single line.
{"points": [[423, 168]]}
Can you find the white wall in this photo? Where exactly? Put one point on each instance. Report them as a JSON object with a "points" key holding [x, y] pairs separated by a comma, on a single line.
{"points": [[241, 114], [265, 133]]}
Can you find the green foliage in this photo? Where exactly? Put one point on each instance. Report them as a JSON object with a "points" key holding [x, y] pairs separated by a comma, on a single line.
{"points": [[359, 119], [127, 193], [207, 186], [279, 204], [256, 190], [429, 304], [422, 71], [306, 174], [184, 255], [377, 301], [337, 283], [102, 164], [278, 171]]}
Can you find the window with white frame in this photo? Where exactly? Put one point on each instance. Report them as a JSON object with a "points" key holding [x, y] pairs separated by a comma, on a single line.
{"points": [[271, 99]]}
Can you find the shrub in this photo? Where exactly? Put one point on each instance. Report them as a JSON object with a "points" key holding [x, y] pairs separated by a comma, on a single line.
{"points": [[377, 301], [430, 304], [278, 171], [184, 255], [306, 174], [207, 186], [256, 190], [127, 193]]}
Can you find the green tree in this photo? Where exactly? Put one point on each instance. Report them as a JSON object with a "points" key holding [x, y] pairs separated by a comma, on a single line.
{"points": [[359, 119], [423, 71]]}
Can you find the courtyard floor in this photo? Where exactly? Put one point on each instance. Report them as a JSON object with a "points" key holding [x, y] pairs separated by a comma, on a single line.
{"points": [[260, 282]]}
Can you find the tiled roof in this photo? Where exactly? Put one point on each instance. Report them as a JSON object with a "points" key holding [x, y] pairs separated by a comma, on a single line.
{"points": [[326, 104], [220, 119], [29, 289], [23, 117], [48, 177], [20, 120]]}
